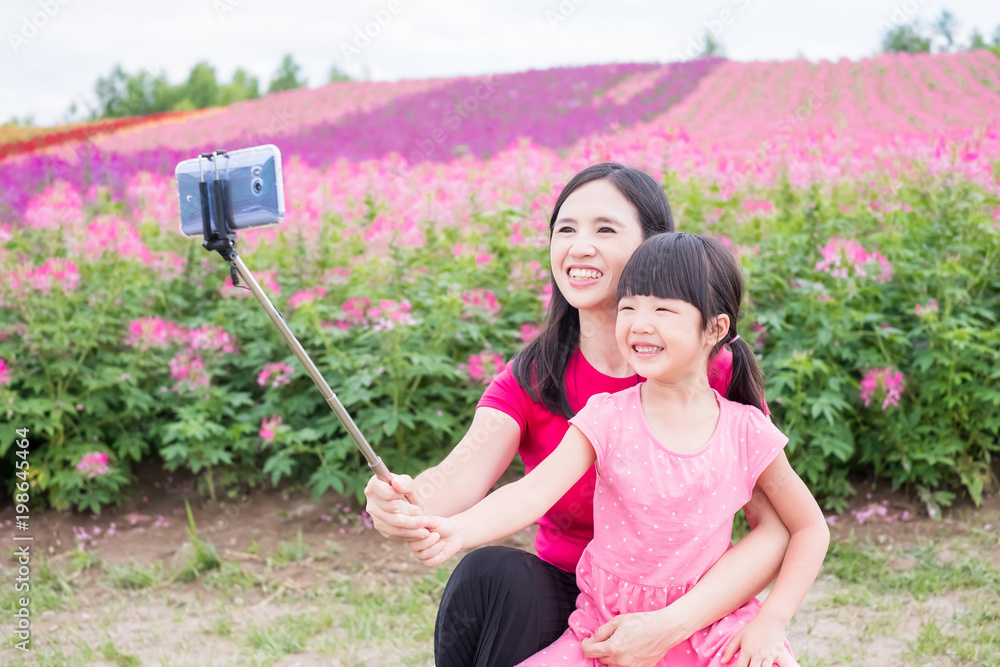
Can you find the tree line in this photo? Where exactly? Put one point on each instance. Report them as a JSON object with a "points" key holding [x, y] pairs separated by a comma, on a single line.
{"points": [[938, 36], [121, 94]]}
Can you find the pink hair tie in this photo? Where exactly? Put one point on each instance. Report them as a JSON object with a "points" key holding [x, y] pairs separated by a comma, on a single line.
{"points": [[734, 339]]}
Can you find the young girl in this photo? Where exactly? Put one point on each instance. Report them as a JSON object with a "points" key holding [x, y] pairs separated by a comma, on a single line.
{"points": [[502, 605], [675, 461]]}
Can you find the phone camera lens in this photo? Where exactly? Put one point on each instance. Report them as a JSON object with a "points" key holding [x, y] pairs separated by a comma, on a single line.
{"points": [[258, 186], [255, 171]]}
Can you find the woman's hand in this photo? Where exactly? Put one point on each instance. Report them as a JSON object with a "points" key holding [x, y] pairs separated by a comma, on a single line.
{"points": [[761, 643], [392, 514], [639, 639], [443, 542]]}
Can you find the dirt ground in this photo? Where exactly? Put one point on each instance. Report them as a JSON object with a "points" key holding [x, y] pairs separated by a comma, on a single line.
{"points": [[174, 623]]}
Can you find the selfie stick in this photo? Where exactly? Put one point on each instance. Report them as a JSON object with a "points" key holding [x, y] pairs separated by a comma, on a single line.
{"points": [[225, 244]]}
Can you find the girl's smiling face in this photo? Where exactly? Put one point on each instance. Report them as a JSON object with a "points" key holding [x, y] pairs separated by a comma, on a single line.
{"points": [[595, 234], [664, 340]]}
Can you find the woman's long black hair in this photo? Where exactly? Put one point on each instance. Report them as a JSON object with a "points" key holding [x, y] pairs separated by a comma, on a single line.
{"points": [[540, 368], [700, 271]]}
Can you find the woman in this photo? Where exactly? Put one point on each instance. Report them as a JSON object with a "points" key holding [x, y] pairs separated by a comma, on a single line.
{"points": [[502, 605]]}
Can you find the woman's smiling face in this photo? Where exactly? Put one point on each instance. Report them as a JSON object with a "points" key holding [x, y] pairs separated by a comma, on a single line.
{"points": [[595, 234]]}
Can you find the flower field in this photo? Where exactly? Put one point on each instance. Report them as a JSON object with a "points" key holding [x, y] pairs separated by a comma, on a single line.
{"points": [[863, 199]]}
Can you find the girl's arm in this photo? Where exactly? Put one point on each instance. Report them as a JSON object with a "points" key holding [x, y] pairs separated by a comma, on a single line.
{"points": [[763, 637], [512, 507], [462, 479]]}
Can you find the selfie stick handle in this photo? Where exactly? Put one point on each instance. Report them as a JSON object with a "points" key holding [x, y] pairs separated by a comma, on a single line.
{"points": [[225, 244]]}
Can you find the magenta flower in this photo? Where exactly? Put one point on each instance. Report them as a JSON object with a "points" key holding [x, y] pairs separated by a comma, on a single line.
{"points": [[93, 464], [4, 373], [529, 331], [269, 426], [882, 379]]}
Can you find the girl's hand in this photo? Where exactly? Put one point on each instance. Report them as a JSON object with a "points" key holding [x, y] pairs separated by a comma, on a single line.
{"points": [[761, 643], [633, 640], [443, 542], [391, 513]]}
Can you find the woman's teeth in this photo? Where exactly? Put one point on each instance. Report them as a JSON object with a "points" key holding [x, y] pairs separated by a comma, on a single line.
{"points": [[584, 274], [646, 349]]}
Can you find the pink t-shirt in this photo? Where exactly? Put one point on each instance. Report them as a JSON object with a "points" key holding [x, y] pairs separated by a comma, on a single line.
{"points": [[568, 526]]}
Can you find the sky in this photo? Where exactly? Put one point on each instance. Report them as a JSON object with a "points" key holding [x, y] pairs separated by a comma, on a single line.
{"points": [[53, 51]]}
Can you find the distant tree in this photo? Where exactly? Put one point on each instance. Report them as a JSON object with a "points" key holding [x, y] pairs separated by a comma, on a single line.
{"points": [[243, 87], [906, 39], [337, 74], [201, 89], [27, 121], [977, 41], [286, 77], [121, 94], [945, 27], [711, 48]]}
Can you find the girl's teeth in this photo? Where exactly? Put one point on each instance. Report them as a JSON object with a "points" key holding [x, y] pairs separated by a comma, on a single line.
{"points": [[584, 274], [641, 349]]}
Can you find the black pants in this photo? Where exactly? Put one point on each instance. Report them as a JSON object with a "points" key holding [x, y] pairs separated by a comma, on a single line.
{"points": [[501, 605]]}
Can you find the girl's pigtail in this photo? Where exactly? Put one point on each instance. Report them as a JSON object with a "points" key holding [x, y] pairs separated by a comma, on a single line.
{"points": [[747, 383]]}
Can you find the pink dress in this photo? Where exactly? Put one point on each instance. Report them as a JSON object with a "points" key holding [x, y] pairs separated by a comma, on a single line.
{"points": [[661, 520]]}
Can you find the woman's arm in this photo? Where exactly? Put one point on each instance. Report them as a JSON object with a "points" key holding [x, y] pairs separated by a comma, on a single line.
{"points": [[739, 575], [512, 507], [463, 478]]}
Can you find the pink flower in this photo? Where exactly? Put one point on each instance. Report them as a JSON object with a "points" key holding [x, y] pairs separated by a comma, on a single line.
{"points": [[883, 379], [841, 254], [306, 296], [354, 311], [282, 374], [931, 307], [485, 366], [189, 370], [388, 314], [269, 426], [93, 464], [529, 331], [4, 373], [482, 300]]}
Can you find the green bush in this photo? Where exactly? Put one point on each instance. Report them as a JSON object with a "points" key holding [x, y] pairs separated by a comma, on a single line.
{"points": [[83, 385]]}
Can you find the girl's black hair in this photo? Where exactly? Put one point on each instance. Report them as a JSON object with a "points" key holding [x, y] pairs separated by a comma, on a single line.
{"points": [[700, 271], [540, 368]]}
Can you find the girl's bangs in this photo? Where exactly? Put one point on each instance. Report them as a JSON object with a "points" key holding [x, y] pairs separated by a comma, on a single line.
{"points": [[668, 266]]}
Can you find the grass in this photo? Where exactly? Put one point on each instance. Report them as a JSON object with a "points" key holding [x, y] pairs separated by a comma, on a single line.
{"points": [[936, 599], [134, 575], [289, 552]]}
